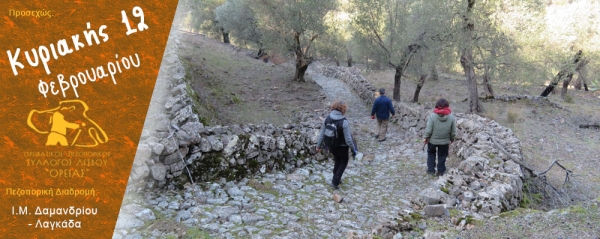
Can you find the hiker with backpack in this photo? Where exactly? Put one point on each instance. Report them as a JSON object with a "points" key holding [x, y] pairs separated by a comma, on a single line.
{"points": [[335, 135], [382, 108], [439, 134]]}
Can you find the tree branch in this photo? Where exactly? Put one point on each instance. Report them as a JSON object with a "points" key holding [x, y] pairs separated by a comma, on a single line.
{"points": [[310, 42]]}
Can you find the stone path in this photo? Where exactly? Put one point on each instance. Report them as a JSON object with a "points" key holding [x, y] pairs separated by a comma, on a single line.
{"points": [[296, 205]]}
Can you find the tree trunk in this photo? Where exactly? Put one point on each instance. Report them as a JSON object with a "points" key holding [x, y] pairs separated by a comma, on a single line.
{"points": [[406, 56], [466, 60], [566, 72], [397, 83], [578, 68], [261, 53], [302, 61], [300, 70], [418, 89], [566, 82], [434, 74], [579, 82], [225, 36], [487, 74], [349, 58], [487, 85], [337, 63]]}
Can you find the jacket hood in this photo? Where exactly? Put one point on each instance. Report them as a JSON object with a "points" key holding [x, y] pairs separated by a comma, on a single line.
{"points": [[335, 115], [442, 118]]}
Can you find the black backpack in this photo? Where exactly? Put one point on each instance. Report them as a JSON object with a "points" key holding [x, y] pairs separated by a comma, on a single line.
{"points": [[333, 136]]}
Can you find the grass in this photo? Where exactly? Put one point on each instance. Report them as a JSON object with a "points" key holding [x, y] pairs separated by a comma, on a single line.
{"points": [[195, 233], [530, 200], [569, 99], [513, 114]]}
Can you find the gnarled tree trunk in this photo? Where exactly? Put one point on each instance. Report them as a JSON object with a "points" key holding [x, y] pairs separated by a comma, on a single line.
{"points": [[261, 53], [302, 61], [487, 85], [466, 60], [406, 56], [225, 36], [301, 67], [566, 73], [566, 81], [397, 83], [349, 58], [487, 74], [418, 88]]}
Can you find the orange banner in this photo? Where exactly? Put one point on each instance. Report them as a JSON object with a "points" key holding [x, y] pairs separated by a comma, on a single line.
{"points": [[77, 78]]}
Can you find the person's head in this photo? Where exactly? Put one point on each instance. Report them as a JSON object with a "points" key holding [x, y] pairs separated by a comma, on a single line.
{"points": [[340, 106], [382, 91], [442, 103]]}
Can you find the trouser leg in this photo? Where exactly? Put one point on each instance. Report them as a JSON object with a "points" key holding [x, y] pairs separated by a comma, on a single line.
{"points": [[431, 150], [442, 155], [340, 155], [383, 125]]}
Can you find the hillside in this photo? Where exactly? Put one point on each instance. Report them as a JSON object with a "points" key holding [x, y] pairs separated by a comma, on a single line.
{"points": [[233, 88]]}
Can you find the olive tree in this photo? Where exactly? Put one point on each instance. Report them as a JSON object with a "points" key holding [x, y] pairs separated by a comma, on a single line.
{"points": [[202, 17], [238, 17], [400, 30], [293, 26]]}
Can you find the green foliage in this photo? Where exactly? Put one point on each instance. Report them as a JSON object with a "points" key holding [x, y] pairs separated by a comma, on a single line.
{"points": [[512, 40], [202, 17], [240, 20], [530, 200], [235, 99], [281, 20]]}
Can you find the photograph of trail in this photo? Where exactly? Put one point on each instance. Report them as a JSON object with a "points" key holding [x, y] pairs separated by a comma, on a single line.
{"points": [[231, 146]]}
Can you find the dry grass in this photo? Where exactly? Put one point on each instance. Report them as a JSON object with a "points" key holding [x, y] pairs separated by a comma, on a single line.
{"points": [[569, 99], [513, 114]]}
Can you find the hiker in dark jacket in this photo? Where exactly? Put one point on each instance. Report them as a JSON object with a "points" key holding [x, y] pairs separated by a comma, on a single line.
{"points": [[340, 149], [439, 134], [382, 107]]}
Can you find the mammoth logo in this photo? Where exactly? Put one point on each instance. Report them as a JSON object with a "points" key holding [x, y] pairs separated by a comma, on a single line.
{"points": [[70, 114]]}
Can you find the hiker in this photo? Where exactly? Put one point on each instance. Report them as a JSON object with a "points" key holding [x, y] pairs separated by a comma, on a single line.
{"points": [[439, 134], [341, 143], [382, 107]]}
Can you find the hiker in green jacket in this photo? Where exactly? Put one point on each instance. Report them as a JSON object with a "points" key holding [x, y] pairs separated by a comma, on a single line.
{"points": [[439, 134]]}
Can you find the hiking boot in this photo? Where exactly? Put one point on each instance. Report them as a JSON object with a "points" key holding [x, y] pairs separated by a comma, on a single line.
{"points": [[334, 186], [381, 140], [430, 172], [439, 174]]}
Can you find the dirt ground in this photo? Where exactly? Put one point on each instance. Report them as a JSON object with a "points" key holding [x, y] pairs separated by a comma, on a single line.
{"points": [[234, 88]]}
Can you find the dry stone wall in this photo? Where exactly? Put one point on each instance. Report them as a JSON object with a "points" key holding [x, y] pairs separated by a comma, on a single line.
{"points": [[181, 148], [486, 181]]}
